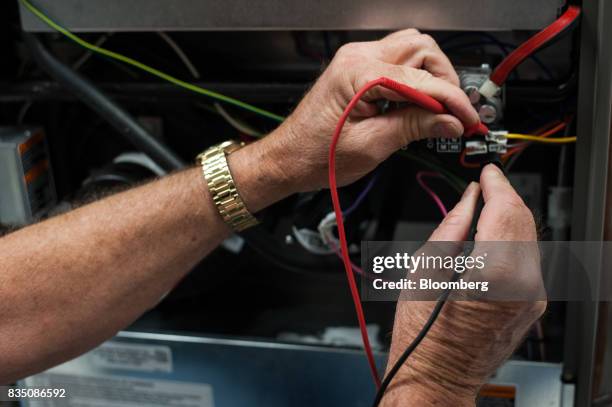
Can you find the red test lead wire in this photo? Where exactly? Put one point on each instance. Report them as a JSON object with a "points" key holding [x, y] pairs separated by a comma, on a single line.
{"points": [[514, 59], [413, 96]]}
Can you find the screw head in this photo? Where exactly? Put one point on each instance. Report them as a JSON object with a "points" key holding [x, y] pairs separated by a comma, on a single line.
{"points": [[487, 113], [472, 93]]}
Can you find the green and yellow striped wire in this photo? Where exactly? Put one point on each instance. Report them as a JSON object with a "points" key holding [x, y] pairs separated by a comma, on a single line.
{"points": [[137, 64]]}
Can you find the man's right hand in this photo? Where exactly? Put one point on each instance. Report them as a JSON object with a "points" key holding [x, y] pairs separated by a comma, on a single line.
{"points": [[470, 339], [298, 150]]}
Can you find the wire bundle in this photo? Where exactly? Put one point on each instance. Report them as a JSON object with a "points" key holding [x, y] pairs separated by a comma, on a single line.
{"points": [[539, 136]]}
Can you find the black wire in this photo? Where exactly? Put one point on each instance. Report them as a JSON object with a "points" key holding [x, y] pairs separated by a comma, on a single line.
{"points": [[415, 343]]}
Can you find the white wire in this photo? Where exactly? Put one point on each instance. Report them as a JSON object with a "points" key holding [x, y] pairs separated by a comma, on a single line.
{"points": [[179, 52], [235, 123], [311, 241], [326, 226]]}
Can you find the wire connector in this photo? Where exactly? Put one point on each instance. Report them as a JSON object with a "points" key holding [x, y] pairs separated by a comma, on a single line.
{"points": [[497, 141], [489, 89], [497, 136], [475, 147]]}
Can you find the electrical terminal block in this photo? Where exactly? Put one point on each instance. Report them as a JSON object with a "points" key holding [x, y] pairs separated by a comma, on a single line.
{"points": [[448, 145], [475, 147], [498, 136], [497, 141], [498, 148]]}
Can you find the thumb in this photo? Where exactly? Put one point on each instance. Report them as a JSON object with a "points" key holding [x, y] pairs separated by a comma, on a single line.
{"points": [[413, 123], [456, 225], [505, 217]]}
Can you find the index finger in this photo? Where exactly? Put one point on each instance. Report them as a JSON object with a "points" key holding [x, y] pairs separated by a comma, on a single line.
{"points": [[451, 96]]}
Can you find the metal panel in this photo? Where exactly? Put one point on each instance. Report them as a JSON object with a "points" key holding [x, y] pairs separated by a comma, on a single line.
{"points": [[172, 15], [592, 158], [568, 395], [252, 373]]}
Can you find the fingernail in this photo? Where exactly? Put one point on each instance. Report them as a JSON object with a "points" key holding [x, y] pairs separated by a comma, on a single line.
{"points": [[446, 129], [493, 167], [468, 191], [496, 172]]}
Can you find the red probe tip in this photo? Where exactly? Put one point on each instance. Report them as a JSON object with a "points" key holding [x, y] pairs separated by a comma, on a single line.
{"points": [[478, 128]]}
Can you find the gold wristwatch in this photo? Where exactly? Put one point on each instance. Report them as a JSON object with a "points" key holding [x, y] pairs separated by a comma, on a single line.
{"points": [[222, 188]]}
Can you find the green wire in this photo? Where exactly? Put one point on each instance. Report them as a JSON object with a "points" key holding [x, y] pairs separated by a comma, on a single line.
{"points": [[119, 57]]}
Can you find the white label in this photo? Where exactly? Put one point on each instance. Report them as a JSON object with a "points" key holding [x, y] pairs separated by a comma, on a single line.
{"points": [[115, 391], [142, 358]]}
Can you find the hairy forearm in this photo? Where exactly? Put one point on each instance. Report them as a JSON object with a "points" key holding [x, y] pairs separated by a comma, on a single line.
{"points": [[74, 280]]}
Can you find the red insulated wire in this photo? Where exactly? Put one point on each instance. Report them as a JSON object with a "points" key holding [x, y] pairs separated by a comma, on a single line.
{"points": [[553, 130], [411, 95], [500, 74], [465, 163]]}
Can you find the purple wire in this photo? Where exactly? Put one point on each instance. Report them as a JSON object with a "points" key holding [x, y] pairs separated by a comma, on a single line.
{"points": [[361, 196]]}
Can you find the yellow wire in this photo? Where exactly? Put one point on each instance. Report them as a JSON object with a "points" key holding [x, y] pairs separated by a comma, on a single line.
{"points": [[119, 57], [539, 139]]}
